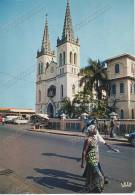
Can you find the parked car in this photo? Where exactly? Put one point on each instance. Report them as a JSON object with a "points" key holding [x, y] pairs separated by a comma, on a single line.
{"points": [[9, 119], [19, 121], [131, 138]]}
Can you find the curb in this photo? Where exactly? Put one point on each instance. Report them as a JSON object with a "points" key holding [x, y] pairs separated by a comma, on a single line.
{"points": [[77, 135]]}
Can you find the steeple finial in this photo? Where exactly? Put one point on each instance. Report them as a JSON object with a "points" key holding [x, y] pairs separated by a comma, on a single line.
{"points": [[46, 48]]}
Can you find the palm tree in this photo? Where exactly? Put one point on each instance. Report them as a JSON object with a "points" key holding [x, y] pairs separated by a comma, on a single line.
{"points": [[94, 76], [67, 107]]}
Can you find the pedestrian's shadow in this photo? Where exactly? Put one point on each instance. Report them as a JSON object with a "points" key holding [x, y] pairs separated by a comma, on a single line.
{"points": [[58, 179], [124, 144], [61, 156]]}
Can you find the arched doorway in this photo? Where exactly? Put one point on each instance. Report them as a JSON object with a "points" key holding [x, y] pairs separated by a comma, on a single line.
{"points": [[50, 110]]}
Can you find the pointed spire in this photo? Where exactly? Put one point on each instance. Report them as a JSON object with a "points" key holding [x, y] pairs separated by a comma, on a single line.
{"points": [[46, 48], [68, 28], [68, 33]]}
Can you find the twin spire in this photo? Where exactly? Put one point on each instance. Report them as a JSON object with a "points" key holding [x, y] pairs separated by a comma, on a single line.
{"points": [[68, 28], [67, 35]]}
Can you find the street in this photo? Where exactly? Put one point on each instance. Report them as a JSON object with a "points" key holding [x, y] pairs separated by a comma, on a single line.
{"points": [[52, 161]]}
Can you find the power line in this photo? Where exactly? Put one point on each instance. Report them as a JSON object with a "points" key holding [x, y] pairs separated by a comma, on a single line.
{"points": [[83, 23], [22, 18]]}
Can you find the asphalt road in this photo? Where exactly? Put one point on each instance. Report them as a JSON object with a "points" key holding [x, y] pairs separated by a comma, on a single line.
{"points": [[52, 161]]}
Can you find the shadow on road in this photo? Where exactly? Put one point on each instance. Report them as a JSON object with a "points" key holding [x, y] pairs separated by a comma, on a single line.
{"points": [[58, 179], [61, 156], [124, 144]]}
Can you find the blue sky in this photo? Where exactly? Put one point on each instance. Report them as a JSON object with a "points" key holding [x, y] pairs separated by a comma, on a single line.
{"points": [[105, 29]]}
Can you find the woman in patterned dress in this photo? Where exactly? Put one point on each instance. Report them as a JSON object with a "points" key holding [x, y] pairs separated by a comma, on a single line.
{"points": [[94, 177]]}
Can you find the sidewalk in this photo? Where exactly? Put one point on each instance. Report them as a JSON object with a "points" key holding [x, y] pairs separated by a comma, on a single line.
{"points": [[10, 183], [78, 134]]}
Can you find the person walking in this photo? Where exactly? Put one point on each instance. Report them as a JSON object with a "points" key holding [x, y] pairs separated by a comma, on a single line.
{"points": [[99, 139], [94, 177]]}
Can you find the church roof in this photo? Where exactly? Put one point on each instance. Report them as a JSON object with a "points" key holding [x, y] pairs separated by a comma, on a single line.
{"points": [[120, 56]]}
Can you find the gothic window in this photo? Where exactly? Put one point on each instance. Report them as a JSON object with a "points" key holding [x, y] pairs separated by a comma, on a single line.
{"points": [[61, 91], [51, 91], [73, 89], [117, 68], [71, 58], [122, 114], [39, 68], [64, 58], [121, 87], [113, 89], [72, 70], [60, 59], [39, 96], [62, 70], [75, 59], [131, 88], [133, 116]]}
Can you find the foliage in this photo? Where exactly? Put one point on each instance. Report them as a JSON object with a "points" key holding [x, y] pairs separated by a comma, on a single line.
{"points": [[67, 107], [94, 76]]}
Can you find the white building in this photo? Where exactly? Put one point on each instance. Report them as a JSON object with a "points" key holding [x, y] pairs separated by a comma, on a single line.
{"points": [[121, 74], [57, 77]]}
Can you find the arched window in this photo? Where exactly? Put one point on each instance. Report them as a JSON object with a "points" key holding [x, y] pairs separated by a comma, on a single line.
{"points": [[71, 58], [39, 68], [61, 91], [134, 88], [73, 89], [131, 88], [64, 58], [39, 96], [122, 114], [117, 68], [133, 116], [122, 88], [75, 58], [114, 89], [60, 59]]}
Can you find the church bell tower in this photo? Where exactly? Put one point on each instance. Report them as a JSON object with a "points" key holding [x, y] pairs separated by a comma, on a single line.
{"points": [[68, 58]]}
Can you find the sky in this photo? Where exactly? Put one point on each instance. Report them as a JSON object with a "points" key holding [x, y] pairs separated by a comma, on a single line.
{"points": [[105, 29]]}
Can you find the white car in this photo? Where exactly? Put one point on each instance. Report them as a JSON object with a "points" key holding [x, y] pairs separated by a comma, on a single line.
{"points": [[20, 121], [10, 119]]}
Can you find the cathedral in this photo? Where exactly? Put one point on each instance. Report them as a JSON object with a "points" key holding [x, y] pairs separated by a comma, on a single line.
{"points": [[57, 74]]}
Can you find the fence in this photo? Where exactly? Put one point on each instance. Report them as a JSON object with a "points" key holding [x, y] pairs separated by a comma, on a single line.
{"points": [[66, 124], [123, 125]]}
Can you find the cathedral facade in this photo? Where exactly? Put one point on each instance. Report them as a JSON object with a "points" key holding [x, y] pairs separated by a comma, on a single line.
{"points": [[57, 76]]}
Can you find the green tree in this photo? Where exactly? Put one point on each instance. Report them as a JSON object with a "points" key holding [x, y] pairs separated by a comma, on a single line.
{"points": [[67, 107], [94, 76], [81, 103]]}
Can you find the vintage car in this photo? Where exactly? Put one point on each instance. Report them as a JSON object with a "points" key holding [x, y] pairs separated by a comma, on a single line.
{"points": [[131, 138]]}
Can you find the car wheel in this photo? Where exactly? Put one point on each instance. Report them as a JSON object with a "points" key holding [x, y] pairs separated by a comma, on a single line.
{"points": [[133, 141]]}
